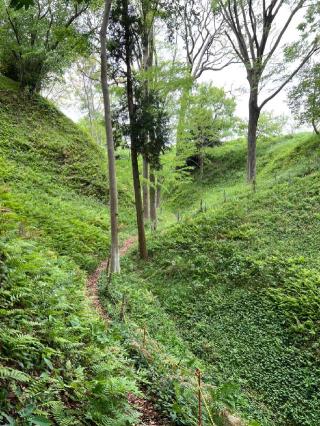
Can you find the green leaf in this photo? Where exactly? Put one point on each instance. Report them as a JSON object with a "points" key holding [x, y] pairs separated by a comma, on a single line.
{"points": [[40, 421]]}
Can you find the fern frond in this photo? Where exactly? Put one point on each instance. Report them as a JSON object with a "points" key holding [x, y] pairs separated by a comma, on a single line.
{"points": [[13, 374]]}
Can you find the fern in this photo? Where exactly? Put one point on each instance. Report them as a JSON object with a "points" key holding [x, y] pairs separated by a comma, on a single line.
{"points": [[13, 374]]}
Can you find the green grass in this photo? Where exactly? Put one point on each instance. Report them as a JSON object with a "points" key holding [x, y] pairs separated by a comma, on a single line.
{"points": [[59, 364], [233, 290], [240, 282]]}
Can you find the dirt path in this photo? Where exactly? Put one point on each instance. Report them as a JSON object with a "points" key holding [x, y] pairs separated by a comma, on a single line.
{"points": [[149, 415]]}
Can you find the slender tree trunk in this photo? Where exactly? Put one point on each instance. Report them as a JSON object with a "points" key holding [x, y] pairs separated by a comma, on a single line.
{"points": [[183, 105], [315, 127], [254, 113], [138, 202], [145, 189], [134, 153], [158, 193], [201, 163], [115, 258], [153, 206], [147, 59]]}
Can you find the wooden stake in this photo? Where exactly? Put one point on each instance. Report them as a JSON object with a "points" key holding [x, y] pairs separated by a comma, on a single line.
{"points": [[144, 336], [198, 375]]}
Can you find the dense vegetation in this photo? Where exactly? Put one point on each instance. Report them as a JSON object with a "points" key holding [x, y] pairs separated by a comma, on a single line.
{"points": [[237, 286], [58, 363], [213, 317]]}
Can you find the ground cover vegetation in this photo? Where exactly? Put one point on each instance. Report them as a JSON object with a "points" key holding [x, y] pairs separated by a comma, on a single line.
{"points": [[244, 302], [59, 364], [214, 315]]}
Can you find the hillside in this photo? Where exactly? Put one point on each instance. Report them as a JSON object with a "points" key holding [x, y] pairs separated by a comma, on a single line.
{"points": [[58, 363], [231, 290], [235, 288]]}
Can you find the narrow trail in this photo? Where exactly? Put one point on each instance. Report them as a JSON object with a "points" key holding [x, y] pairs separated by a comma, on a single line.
{"points": [[149, 415]]}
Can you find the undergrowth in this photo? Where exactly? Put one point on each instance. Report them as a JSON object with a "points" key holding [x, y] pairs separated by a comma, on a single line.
{"points": [[239, 283], [59, 363]]}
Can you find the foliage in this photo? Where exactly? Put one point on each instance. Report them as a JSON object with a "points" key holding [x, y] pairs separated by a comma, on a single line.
{"points": [[298, 298], [269, 126], [67, 153], [166, 367], [59, 364], [240, 282], [40, 42], [208, 119], [151, 119], [304, 97]]}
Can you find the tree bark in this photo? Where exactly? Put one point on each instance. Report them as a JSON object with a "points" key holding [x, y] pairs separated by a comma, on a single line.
{"points": [[158, 194], [134, 152], [183, 106], [147, 61], [138, 202], [145, 189], [254, 113], [201, 163], [113, 193], [153, 206], [315, 127]]}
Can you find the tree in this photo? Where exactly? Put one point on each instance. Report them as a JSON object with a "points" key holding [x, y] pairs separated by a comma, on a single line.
{"points": [[270, 125], [304, 97], [126, 44], [200, 29], [155, 120], [40, 42], [89, 94], [115, 257], [127, 21], [255, 31], [209, 119], [148, 13]]}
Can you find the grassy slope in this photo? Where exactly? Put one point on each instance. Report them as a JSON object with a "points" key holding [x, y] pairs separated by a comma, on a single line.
{"points": [[58, 365], [233, 291], [238, 286]]}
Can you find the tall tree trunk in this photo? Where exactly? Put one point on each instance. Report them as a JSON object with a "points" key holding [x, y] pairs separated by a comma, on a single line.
{"points": [[158, 193], [134, 153], [147, 61], [201, 163], [153, 206], [183, 106], [138, 202], [254, 113], [145, 189], [115, 258]]}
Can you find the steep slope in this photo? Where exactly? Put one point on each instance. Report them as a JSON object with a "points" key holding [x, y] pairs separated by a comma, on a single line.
{"points": [[58, 364], [239, 285]]}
